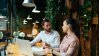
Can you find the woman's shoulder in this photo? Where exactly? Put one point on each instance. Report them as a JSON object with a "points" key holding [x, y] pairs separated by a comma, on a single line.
{"points": [[74, 38]]}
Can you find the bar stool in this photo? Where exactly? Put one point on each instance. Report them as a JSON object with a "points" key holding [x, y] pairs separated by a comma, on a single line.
{"points": [[2, 48]]}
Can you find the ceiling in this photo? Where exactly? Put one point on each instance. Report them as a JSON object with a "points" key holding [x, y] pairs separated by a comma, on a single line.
{"points": [[25, 11], [3, 7]]}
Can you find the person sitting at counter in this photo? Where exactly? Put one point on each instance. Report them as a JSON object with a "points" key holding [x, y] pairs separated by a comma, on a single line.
{"points": [[70, 43], [35, 30], [49, 37]]}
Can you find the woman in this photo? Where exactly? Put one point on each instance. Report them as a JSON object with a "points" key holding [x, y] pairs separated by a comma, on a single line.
{"points": [[35, 30], [70, 43]]}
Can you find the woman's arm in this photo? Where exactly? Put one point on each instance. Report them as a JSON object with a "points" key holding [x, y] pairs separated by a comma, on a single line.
{"points": [[56, 53], [59, 54], [73, 48]]}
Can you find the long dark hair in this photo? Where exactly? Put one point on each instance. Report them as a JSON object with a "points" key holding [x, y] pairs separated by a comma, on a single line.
{"points": [[74, 26]]}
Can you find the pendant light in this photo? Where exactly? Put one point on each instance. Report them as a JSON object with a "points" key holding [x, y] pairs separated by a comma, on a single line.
{"points": [[29, 17], [35, 10], [28, 3]]}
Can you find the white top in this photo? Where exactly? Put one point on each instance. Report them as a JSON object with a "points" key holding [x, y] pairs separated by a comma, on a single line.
{"points": [[53, 38]]}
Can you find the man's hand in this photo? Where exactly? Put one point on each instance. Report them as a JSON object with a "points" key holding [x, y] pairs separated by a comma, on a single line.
{"points": [[45, 45]]}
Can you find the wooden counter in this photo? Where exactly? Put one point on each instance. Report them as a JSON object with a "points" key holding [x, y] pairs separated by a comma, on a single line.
{"points": [[20, 48]]}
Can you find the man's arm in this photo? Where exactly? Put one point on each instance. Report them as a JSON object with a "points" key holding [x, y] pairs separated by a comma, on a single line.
{"points": [[37, 39], [57, 41]]}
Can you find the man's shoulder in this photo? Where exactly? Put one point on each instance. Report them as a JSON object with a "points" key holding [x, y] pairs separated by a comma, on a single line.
{"points": [[42, 31], [55, 31]]}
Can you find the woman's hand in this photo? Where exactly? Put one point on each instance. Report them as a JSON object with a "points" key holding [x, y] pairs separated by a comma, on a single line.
{"points": [[56, 53]]}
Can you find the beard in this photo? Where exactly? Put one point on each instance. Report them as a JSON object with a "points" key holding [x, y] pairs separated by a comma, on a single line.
{"points": [[48, 30]]}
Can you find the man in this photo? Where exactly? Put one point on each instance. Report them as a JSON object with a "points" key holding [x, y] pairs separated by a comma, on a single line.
{"points": [[49, 37]]}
